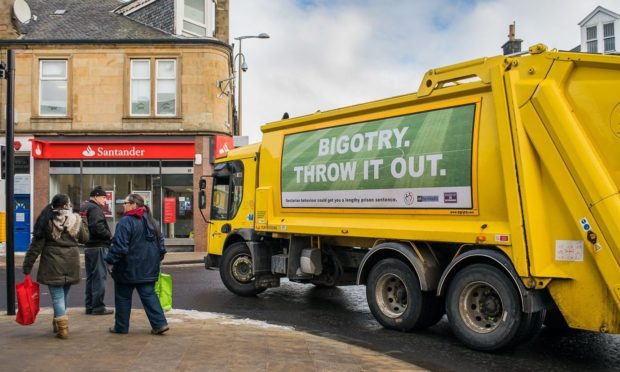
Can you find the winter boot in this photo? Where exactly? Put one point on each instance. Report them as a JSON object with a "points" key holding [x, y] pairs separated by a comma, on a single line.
{"points": [[62, 323], [54, 327]]}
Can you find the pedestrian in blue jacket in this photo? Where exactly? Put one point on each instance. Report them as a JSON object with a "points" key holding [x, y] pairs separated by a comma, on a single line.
{"points": [[135, 255]]}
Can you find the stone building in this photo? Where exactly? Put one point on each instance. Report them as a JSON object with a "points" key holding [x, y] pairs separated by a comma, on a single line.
{"points": [[123, 95]]}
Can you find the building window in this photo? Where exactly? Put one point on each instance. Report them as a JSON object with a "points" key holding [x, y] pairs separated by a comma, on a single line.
{"points": [[166, 87], [53, 88], [163, 93], [608, 37], [591, 41], [197, 17], [140, 87]]}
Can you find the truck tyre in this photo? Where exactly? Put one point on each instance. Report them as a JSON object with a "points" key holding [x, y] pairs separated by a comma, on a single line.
{"points": [[555, 321], [530, 325], [236, 270], [484, 308], [395, 299]]}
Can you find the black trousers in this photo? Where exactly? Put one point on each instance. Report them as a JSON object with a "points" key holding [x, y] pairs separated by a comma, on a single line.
{"points": [[96, 274]]}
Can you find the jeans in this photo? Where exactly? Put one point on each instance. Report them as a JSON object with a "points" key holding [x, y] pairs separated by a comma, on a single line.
{"points": [[96, 274], [60, 299], [123, 293]]}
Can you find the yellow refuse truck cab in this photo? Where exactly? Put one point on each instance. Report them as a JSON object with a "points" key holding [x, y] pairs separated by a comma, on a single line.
{"points": [[490, 195]]}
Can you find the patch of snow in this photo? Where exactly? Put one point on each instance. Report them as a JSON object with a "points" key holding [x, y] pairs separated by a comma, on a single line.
{"points": [[197, 315], [255, 323], [224, 319]]}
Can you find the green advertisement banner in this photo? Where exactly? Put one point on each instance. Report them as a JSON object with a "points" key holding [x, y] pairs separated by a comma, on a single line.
{"points": [[420, 160]]}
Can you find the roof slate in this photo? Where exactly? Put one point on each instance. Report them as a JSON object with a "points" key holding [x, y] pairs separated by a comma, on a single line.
{"points": [[84, 20]]}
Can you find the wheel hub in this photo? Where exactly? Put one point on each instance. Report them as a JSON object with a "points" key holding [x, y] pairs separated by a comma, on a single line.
{"points": [[481, 307], [391, 295], [242, 269]]}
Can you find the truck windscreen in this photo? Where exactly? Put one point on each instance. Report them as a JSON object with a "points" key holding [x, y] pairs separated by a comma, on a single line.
{"points": [[227, 190]]}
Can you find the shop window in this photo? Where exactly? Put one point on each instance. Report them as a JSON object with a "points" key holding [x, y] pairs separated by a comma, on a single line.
{"points": [[53, 88], [147, 98], [157, 181], [69, 184]]}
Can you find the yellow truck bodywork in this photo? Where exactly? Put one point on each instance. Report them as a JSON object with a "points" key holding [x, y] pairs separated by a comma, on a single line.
{"points": [[545, 178]]}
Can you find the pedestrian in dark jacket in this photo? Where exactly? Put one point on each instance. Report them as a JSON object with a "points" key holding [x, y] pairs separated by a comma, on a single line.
{"points": [[136, 252], [95, 251], [57, 233]]}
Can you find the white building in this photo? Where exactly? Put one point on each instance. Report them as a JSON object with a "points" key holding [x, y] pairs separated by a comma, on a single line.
{"points": [[598, 30]]}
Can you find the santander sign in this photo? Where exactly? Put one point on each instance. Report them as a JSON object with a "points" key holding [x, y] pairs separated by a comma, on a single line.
{"points": [[175, 149], [104, 152]]}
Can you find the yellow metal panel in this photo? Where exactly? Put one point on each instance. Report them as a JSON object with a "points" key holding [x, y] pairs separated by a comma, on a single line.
{"points": [[574, 146], [506, 131]]}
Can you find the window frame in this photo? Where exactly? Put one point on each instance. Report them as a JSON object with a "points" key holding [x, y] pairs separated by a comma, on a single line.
{"points": [[592, 40], [233, 175], [153, 65], [156, 87], [209, 20], [131, 86], [40, 88], [609, 37]]}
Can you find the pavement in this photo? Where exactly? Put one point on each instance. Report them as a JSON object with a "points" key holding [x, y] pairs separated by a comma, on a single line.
{"points": [[171, 258], [196, 341]]}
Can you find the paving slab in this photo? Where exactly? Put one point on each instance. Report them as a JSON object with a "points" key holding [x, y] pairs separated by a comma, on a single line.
{"points": [[197, 341]]}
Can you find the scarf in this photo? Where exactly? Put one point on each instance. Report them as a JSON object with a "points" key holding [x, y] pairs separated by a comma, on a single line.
{"points": [[137, 212], [65, 220]]}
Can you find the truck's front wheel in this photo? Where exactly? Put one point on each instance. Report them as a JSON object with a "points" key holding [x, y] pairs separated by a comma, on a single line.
{"points": [[483, 308], [396, 300], [236, 271]]}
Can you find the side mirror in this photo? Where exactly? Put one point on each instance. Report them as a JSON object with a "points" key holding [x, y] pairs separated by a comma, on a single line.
{"points": [[202, 198]]}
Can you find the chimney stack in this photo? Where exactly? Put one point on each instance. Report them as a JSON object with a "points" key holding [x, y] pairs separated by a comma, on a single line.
{"points": [[7, 29], [513, 45], [222, 20]]}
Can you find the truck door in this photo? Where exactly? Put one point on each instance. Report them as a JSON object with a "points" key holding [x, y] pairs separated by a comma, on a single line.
{"points": [[226, 198]]}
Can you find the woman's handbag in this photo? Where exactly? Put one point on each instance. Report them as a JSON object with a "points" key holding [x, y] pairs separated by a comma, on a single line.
{"points": [[163, 288], [27, 301]]}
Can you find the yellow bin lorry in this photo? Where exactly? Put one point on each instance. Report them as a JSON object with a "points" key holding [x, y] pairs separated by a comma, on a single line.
{"points": [[490, 195]]}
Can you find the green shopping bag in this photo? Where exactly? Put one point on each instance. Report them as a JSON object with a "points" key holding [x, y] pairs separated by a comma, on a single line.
{"points": [[163, 288]]}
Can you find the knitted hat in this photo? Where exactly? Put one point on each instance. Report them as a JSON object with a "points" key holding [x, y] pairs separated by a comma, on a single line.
{"points": [[97, 191]]}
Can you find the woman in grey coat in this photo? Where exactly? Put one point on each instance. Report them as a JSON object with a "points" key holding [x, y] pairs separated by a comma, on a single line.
{"points": [[57, 233]]}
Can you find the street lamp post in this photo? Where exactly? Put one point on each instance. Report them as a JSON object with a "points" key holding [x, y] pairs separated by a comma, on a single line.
{"points": [[7, 71], [243, 67]]}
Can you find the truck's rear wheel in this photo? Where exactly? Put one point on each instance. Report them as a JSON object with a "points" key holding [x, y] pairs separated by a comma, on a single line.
{"points": [[236, 271], [395, 299], [530, 325], [483, 308]]}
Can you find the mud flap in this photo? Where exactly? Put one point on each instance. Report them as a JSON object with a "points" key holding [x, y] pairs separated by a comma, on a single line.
{"points": [[261, 265]]}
